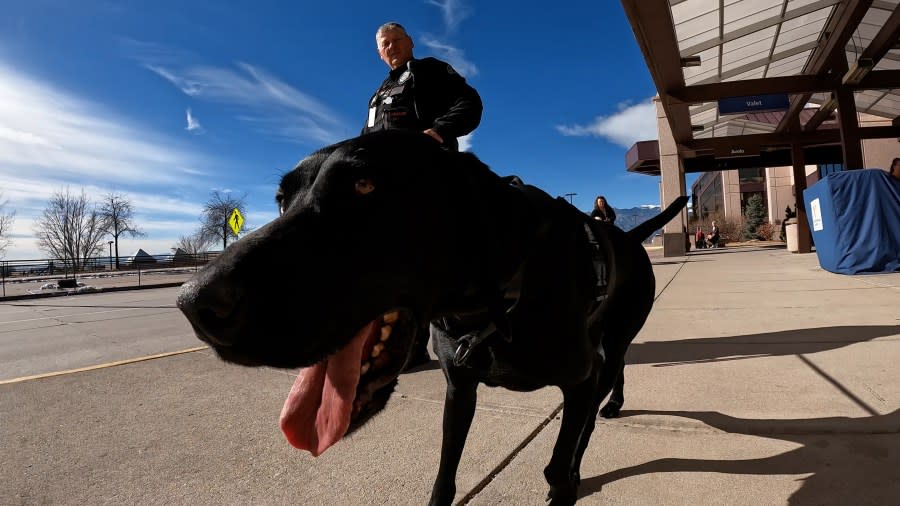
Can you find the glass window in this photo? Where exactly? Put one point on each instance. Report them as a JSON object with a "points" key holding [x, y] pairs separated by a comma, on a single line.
{"points": [[754, 175], [711, 201]]}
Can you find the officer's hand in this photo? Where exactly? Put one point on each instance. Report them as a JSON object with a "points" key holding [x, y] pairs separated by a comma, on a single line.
{"points": [[434, 135]]}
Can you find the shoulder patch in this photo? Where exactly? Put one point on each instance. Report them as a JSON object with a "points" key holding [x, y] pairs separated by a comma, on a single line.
{"points": [[450, 70]]}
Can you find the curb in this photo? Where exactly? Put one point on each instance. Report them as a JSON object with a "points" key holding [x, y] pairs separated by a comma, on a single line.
{"points": [[28, 296]]}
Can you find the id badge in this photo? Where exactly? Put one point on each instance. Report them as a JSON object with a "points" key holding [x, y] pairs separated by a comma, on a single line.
{"points": [[371, 121]]}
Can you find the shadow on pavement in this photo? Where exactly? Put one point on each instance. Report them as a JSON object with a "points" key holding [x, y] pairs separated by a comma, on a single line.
{"points": [[849, 460], [736, 249], [769, 344], [431, 365], [674, 262]]}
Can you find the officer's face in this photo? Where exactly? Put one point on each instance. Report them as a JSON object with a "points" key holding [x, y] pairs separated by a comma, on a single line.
{"points": [[394, 48]]}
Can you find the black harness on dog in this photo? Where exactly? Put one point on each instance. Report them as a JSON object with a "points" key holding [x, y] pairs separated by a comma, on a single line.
{"points": [[508, 295], [502, 304], [469, 342]]}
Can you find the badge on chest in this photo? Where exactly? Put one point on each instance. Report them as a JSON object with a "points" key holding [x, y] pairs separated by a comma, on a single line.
{"points": [[394, 104]]}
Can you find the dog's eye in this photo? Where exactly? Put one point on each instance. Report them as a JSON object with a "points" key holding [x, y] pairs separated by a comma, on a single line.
{"points": [[363, 186]]}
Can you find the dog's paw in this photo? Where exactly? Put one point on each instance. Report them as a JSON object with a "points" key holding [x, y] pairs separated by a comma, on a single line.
{"points": [[561, 497], [611, 410]]}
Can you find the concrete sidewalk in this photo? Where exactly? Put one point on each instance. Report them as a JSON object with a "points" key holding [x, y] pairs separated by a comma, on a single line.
{"points": [[758, 379]]}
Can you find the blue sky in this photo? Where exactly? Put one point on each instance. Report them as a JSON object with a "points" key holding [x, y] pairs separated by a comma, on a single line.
{"points": [[165, 101]]}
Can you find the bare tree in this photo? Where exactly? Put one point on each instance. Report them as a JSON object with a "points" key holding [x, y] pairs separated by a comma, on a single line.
{"points": [[193, 244], [216, 213], [6, 222], [117, 217], [70, 229]]}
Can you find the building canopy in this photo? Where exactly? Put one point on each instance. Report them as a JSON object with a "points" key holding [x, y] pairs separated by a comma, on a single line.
{"points": [[817, 63]]}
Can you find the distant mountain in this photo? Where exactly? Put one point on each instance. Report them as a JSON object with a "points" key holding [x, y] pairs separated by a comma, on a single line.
{"points": [[626, 219]]}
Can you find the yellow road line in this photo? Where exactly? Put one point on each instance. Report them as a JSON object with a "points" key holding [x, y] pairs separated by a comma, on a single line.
{"points": [[101, 366]]}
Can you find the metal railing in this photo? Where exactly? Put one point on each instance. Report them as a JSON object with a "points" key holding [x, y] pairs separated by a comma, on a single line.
{"points": [[34, 276]]}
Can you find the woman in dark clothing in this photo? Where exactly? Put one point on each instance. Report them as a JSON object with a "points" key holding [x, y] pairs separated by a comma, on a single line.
{"points": [[602, 211]]}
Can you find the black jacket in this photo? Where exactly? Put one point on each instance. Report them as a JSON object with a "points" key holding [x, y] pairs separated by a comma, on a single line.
{"points": [[422, 94], [608, 217]]}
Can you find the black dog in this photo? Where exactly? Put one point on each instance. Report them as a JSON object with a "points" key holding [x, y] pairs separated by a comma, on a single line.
{"points": [[379, 235]]}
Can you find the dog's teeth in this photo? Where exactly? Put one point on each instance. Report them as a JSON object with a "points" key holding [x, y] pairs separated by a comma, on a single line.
{"points": [[382, 360], [391, 317], [376, 350], [386, 332], [365, 368]]}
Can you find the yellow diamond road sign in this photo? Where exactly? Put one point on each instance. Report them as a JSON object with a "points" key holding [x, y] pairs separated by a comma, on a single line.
{"points": [[236, 221]]}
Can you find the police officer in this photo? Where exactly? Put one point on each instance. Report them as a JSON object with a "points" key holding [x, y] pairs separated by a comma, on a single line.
{"points": [[424, 95], [427, 95]]}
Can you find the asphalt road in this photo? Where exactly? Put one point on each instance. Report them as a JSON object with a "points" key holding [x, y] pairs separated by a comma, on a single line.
{"points": [[59, 334], [774, 384]]}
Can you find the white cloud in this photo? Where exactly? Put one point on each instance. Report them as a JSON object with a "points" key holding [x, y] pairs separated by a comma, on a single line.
{"points": [[51, 139], [193, 124], [452, 55], [151, 226], [47, 131], [273, 105], [465, 142], [257, 219], [630, 124], [453, 11], [30, 196]]}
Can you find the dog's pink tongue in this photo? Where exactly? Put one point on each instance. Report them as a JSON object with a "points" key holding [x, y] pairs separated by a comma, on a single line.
{"points": [[317, 411]]}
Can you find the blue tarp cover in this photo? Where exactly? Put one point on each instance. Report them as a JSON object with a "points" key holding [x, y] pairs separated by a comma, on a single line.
{"points": [[854, 217]]}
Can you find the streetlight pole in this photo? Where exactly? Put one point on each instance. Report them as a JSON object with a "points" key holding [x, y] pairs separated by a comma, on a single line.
{"points": [[570, 195], [110, 256]]}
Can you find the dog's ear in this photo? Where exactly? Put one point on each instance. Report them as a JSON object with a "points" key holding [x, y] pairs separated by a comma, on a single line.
{"points": [[359, 156], [303, 175]]}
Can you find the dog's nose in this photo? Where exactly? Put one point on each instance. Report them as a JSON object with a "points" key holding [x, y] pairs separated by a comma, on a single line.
{"points": [[210, 308]]}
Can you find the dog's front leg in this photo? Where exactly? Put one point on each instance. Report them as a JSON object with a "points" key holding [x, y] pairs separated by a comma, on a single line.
{"points": [[617, 398], [459, 408], [577, 409]]}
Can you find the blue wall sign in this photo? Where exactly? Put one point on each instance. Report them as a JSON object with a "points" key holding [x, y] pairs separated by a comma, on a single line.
{"points": [[755, 103]]}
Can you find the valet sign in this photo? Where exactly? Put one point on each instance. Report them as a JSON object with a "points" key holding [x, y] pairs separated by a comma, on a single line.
{"points": [[755, 103], [816, 209]]}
